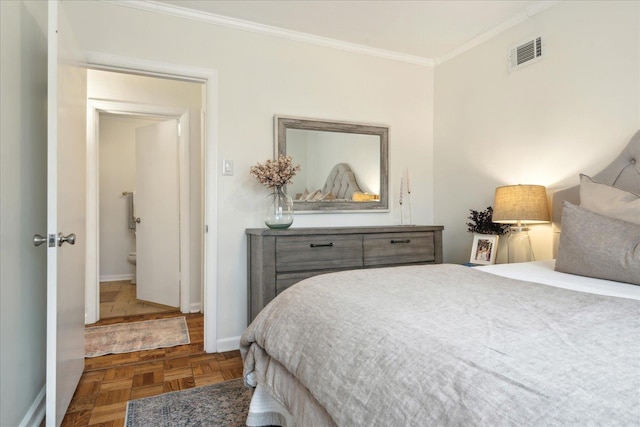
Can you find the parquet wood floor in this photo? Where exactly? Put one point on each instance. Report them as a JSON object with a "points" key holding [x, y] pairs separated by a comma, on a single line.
{"points": [[118, 299], [109, 381]]}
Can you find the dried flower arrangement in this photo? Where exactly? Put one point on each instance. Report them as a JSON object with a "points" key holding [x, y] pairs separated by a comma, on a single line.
{"points": [[481, 223], [275, 173]]}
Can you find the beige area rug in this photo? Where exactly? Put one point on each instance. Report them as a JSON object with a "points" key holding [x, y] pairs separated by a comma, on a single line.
{"points": [[135, 336]]}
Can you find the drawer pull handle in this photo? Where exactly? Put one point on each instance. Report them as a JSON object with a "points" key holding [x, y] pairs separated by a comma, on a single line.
{"points": [[401, 241], [321, 245]]}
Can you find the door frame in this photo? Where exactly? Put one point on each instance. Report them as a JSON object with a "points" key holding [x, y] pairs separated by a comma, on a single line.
{"points": [[209, 225], [92, 273]]}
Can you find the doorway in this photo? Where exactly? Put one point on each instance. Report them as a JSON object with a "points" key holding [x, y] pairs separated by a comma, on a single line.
{"points": [[174, 101], [205, 227], [139, 227]]}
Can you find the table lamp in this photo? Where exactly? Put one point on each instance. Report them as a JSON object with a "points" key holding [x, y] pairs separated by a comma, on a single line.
{"points": [[520, 205]]}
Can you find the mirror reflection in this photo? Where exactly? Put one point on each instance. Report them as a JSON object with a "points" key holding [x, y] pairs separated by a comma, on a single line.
{"points": [[343, 165], [337, 165]]}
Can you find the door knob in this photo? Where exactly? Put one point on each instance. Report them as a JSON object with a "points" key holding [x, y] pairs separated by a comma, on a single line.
{"points": [[38, 240], [70, 239]]}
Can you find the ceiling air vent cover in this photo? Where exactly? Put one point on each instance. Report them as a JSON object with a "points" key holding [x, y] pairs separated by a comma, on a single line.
{"points": [[526, 53]]}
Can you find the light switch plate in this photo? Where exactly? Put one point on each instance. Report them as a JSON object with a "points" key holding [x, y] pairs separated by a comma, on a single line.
{"points": [[227, 167]]}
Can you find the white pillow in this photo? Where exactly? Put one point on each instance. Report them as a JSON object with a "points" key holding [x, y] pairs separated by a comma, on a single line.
{"points": [[609, 201]]}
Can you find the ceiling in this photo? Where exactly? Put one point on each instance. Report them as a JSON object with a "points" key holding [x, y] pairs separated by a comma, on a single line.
{"points": [[429, 29]]}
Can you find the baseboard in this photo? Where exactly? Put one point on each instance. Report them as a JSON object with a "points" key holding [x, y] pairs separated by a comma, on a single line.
{"points": [[228, 344], [35, 414], [116, 277]]}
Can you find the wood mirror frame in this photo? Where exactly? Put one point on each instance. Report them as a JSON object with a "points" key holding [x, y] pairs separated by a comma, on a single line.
{"points": [[282, 124]]}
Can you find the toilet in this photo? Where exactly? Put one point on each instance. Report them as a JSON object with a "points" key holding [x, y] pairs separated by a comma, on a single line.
{"points": [[132, 259]]}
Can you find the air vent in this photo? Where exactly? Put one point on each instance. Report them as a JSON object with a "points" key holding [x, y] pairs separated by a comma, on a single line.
{"points": [[525, 53]]}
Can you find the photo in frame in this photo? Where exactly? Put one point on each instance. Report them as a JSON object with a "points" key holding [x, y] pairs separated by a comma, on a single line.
{"points": [[484, 249]]}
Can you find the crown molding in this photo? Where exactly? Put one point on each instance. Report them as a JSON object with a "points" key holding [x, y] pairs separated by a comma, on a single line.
{"points": [[511, 22], [239, 24], [242, 25]]}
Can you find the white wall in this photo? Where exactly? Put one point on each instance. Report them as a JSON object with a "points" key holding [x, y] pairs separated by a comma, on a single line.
{"points": [[120, 87], [117, 174], [261, 76], [571, 112], [23, 164]]}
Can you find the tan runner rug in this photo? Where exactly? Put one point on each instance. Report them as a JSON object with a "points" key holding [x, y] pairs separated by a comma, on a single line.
{"points": [[135, 336]]}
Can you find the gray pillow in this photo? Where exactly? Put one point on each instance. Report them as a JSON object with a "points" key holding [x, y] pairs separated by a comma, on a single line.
{"points": [[609, 201], [598, 246]]}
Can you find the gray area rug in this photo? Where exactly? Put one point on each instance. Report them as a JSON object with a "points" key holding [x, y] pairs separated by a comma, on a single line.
{"points": [[224, 404]]}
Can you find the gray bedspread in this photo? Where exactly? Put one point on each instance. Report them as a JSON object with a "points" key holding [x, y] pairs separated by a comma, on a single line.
{"points": [[446, 345]]}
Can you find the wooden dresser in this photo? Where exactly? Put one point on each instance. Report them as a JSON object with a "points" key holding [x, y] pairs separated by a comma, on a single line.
{"points": [[279, 258]]}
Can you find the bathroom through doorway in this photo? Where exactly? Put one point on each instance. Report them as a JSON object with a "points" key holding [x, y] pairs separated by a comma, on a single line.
{"points": [[139, 206], [123, 105]]}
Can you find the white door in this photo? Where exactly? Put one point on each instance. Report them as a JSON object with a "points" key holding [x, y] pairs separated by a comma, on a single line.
{"points": [[66, 134], [157, 206]]}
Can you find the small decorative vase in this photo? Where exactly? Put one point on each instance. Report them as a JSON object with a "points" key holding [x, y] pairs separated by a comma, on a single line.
{"points": [[279, 209]]}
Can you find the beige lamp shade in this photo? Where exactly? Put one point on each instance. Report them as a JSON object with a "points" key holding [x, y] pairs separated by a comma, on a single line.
{"points": [[516, 204]]}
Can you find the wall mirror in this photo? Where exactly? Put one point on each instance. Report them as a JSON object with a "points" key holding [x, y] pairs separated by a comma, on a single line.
{"points": [[344, 166]]}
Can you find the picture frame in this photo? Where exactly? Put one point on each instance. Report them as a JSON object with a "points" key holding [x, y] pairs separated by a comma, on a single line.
{"points": [[484, 249]]}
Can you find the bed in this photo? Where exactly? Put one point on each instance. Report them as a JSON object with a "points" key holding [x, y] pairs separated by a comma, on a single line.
{"points": [[545, 343]]}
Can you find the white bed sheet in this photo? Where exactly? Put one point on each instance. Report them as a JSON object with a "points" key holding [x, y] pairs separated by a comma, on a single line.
{"points": [[264, 410], [543, 272]]}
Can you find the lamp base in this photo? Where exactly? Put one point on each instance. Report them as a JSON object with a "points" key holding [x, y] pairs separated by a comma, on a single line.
{"points": [[519, 245]]}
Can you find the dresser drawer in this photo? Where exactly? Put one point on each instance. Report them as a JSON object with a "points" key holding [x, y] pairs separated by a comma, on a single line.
{"points": [[318, 252], [286, 280], [398, 248]]}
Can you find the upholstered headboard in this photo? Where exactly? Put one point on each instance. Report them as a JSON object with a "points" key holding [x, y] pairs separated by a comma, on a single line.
{"points": [[623, 173], [341, 182]]}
